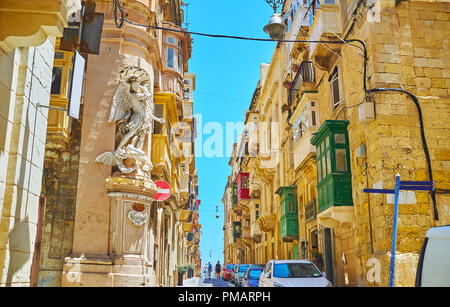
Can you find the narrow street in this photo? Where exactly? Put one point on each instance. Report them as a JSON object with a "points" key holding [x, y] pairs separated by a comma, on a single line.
{"points": [[201, 282]]}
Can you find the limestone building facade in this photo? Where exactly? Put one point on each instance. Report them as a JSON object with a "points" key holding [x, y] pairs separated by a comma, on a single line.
{"points": [[69, 218], [328, 127]]}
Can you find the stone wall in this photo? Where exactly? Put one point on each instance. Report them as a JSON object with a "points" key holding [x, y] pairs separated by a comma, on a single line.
{"points": [[61, 178], [25, 81]]}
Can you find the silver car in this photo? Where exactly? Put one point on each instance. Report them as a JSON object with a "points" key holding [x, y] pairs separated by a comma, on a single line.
{"points": [[292, 273]]}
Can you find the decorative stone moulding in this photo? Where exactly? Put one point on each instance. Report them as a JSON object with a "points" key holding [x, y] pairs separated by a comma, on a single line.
{"points": [[267, 222], [30, 22], [137, 215]]}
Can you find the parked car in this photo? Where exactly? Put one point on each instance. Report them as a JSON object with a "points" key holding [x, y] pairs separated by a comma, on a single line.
{"points": [[234, 273], [292, 273], [433, 269], [240, 273], [251, 276], [227, 271]]}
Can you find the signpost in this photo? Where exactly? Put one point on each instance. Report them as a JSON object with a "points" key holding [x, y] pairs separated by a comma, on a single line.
{"points": [[163, 189], [400, 185]]}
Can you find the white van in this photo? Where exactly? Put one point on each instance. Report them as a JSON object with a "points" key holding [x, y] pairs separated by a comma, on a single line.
{"points": [[433, 269]]}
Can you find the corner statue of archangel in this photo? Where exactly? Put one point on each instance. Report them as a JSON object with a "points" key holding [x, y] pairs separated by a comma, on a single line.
{"points": [[132, 111]]}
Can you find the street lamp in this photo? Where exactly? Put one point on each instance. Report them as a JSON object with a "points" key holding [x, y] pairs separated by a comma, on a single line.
{"points": [[276, 27]]}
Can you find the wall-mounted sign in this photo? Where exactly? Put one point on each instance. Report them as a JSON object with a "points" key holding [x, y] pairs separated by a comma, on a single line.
{"points": [[163, 189]]}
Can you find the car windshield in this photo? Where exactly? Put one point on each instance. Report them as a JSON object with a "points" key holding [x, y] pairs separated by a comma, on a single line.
{"points": [[296, 270], [243, 268], [229, 267], [254, 274]]}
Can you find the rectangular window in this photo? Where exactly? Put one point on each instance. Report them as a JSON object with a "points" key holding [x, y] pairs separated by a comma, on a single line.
{"points": [[313, 118], [334, 83], [159, 112], [56, 81], [341, 160], [324, 167], [180, 63], [328, 162], [170, 58], [339, 138]]}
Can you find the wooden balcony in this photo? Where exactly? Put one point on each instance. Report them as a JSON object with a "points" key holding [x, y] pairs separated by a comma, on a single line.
{"points": [[188, 110], [187, 227], [183, 215], [184, 185], [161, 156]]}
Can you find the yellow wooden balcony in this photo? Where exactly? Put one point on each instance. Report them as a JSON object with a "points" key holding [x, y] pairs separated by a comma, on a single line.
{"points": [[161, 156], [187, 227], [183, 215]]}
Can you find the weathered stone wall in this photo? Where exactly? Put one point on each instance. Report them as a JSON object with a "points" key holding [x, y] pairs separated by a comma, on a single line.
{"points": [[407, 48], [61, 178], [25, 79]]}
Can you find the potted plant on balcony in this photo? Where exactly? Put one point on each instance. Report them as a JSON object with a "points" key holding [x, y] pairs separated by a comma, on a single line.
{"points": [[287, 84], [284, 107], [182, 269], [295, 67]]}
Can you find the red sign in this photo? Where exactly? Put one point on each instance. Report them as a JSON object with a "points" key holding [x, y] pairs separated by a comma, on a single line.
{"points": [[163, 189]]}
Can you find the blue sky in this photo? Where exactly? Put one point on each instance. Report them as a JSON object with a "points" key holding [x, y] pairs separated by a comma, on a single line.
{"points": [[227, 72]]}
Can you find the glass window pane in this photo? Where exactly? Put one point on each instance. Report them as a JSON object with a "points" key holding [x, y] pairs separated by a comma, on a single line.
{"points": [[328, 162], [56, 80], [339, 138], [291, 206], [59, 55], [324, 167], [327, 143], [341, 160], [171, 40], [180, 63], [170, 58], [319, 170]]}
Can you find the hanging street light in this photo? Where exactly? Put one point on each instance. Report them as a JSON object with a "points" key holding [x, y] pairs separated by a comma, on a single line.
{"points": [[276, 27], [217, 212]]}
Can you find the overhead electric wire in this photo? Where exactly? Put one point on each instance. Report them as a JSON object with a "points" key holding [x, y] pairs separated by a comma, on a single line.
{"points": [[117, 6]]}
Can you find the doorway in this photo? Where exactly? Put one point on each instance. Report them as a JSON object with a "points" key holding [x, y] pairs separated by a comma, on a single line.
{"points": [[328, 253]]}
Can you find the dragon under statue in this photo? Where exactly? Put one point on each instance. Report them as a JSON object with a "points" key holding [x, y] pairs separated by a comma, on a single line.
{"points": [[132, 112]]}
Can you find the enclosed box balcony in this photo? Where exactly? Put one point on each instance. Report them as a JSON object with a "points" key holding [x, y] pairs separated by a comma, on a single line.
{"points": [[237, 231], [335, 203], [325, 24], [288, 213], [242, 188], [304, 120]]}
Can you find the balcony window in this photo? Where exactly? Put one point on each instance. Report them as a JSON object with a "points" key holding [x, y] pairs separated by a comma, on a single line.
{"points": [[170, 58], [288, 213], [175, 55], [159, 112], [306, 120], [333, 165]]}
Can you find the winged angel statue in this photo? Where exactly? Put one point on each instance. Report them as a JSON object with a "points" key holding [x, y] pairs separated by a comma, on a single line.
{"points": [[132, 111]]}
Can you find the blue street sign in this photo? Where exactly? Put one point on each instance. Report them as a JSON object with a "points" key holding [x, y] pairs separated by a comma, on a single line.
{"points": [[404, 186]]}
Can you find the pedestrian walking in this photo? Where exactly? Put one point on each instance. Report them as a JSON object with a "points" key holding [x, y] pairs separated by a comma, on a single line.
{"points": [[209, 270], [218, 267], [205, 270]]}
